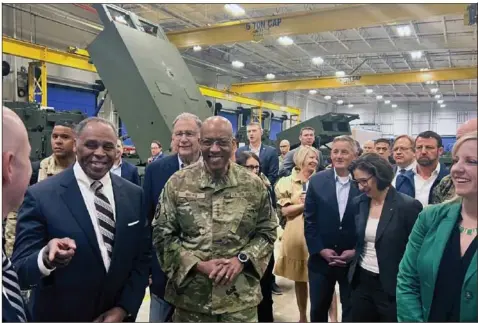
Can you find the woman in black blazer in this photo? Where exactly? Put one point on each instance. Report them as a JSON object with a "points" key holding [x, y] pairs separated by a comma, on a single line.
{"points": [[384, 220]]}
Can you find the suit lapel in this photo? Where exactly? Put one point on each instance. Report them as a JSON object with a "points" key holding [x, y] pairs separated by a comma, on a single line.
{"points": [[74, 201], [363, 216], [472, 268], [388, 212], [333, 193]]}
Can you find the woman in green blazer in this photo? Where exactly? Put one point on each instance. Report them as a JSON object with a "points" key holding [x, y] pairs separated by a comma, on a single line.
{"points": [[437, 279]]}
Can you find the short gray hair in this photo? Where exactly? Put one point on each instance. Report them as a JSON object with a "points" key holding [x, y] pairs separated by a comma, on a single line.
{"points": [[189, 116], [349, 140], [81, 126]]}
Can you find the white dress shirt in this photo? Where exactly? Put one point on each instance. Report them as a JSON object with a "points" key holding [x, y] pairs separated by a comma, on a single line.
{"points": [[342, 189], [423, 186], [116, 169], [84, 183], [256, 151], [411, 166]]}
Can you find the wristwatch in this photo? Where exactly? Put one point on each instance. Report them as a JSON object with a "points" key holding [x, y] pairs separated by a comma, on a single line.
{"points": [[243, 258]]}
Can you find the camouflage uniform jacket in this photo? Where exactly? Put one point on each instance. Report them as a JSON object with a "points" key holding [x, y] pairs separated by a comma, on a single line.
{"points": [[444, 191], [49, 167], [199, 220]]}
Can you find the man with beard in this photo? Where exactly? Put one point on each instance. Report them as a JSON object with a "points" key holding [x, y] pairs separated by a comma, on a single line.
{"points": [[420, 181], [214, 233], [83, 240]]}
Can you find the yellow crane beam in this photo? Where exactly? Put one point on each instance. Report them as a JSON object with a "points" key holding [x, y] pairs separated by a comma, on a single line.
{"points": [[446, 74], [315, 21], [79, 59]]}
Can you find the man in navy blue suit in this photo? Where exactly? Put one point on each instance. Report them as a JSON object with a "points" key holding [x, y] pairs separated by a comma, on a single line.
{"points": [[185, 142], [16, 173], [122, 168], [83, 240], [329, 216]]}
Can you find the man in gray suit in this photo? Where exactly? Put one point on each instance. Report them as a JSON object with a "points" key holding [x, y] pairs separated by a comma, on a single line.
{"points": [[306, 138]]}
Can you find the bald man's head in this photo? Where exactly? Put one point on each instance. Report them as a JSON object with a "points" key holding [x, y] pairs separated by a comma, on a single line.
{"points": [[16, 167], [369, 147], [284, 147], [216, 144], [467, 127]]}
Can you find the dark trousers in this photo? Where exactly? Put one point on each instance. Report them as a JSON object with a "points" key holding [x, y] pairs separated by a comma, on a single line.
{"points": [[370, 302], [322, 287], [264, 309]]}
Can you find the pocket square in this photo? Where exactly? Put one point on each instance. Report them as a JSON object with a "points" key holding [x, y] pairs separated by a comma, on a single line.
{"points": [[133, 223]]}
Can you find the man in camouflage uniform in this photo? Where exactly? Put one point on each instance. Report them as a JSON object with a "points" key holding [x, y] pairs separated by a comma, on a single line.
{"points": [[445, 190], [63, 146], [214, 232]]}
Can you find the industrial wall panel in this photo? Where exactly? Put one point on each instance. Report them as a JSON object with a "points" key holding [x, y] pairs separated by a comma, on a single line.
{"points": [[276, 127], [232, 117], [66, 98]]}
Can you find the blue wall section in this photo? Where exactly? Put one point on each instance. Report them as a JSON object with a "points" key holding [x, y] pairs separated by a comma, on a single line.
{"points": [[65, 98], [448, 142], [276, 127], [232, 117]]}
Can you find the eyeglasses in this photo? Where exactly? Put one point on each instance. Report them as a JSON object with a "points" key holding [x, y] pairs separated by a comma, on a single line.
{"points": [[188, 134], [221, 142], [252, 167], [401, 149], [362, 181]]}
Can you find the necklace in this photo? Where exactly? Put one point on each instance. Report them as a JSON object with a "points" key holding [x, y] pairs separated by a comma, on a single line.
{"points": [[467, 231]]}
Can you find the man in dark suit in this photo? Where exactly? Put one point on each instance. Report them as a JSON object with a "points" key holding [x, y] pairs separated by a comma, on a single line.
{"points": [[427, 173], [16, 173], [100, 271], [267, 154], [330, 230], [185, 141], [122, 168]]}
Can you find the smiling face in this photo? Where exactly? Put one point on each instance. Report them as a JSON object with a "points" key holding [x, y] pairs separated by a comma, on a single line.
{"points": [[96, 149], [311, 162], [464, 169], [342, 155], [216, 144], [366, 182], [186, 139]]}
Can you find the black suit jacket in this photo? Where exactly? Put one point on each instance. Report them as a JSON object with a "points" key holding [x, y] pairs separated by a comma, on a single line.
{"points": [[81, 291], [130, 172], [396, 222], [156, 175], [323, 228]]}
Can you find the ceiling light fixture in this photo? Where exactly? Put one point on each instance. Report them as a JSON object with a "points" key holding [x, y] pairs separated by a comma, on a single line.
{"points": [[317, 60], [440, 101], [327, 97], [285, 41], [340, 101], [350, 105], [434, 90], [312, 92], [404, 31], [368, 91], [379, 97], [442, 105], [197, 48], [394, 105], [235, 9], [270, 76], [423, 69], [340, 73], [237, 64], [387, 101], [416, 55], [437, 96]]}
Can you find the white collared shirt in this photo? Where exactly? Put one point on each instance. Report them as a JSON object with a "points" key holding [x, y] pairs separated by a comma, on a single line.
{"points": [[84, 183], [117, 169], [423, 186], [342, 189], [256, 151], [411, 166]]}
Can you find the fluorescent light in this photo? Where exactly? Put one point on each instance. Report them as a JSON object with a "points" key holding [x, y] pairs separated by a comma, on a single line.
{"points": [[285, 41], [379, 97], [237, 64], [387, 101], [437, 96], [340, 73], [423, 69], [312, 91], [340, 101], [317, 60], [394, 105], [430, 82], [234, 10], [404, 31], [434, 90], [368, 91], [270, 76], [416, 54], [442, 105], [440, 101], [197, 48], [350, 105], [327, 97]]}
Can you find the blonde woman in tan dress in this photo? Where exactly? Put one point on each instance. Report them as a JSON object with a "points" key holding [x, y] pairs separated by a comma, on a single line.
{"points": [[290, 194]]}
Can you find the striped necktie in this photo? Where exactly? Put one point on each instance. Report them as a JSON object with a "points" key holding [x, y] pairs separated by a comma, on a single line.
{"points": [[11, 288], [104, 213]]}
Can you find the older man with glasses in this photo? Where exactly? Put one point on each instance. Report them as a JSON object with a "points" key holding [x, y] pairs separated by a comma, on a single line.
{"points": [[404, 155]]}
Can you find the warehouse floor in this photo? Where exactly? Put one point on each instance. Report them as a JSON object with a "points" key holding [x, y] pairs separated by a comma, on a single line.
{"points": [[285, 306]]}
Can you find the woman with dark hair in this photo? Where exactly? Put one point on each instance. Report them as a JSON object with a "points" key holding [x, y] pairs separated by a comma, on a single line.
{"points": [[265, 312], [384, 221]]}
